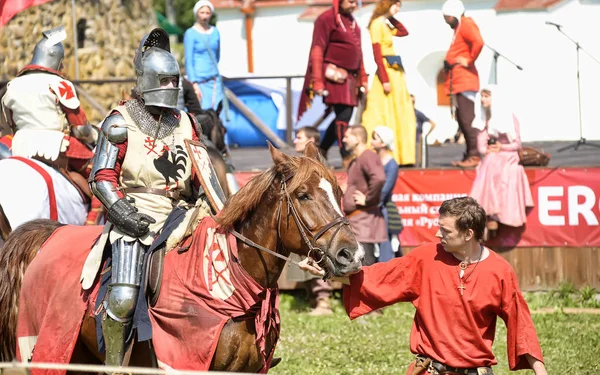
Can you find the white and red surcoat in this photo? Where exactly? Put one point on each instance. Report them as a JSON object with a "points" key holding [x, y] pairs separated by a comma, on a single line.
{"points": [[146, 162], [40, 106]]}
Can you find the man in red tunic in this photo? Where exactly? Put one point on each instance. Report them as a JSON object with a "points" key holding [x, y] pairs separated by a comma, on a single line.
{"points": [[336, 48], [462, 81], [458, 288]]}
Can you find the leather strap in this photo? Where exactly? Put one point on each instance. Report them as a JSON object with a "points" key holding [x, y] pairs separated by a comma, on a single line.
{"points": [[171, 194], [441, 368]]}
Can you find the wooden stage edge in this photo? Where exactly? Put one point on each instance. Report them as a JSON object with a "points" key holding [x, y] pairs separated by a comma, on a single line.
{"points": [[538, 268]]}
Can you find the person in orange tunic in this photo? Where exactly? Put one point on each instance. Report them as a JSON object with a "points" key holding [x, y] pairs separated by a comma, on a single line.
{"points": [[459, 288], [462, 80]]}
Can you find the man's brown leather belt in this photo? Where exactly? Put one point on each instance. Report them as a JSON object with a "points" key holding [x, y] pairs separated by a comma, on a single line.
{"points": [[436, 367], [171, 194]]}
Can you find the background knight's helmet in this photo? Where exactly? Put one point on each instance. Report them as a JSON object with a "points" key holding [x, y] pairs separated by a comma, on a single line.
{"points": [[50, 52], [153, 61]]}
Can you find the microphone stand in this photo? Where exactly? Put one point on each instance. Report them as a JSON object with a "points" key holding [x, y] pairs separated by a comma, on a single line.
{"points": [[496, 55], [582, 141]]}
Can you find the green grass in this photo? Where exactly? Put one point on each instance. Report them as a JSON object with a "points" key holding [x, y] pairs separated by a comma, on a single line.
{"points": [[379, 345]]}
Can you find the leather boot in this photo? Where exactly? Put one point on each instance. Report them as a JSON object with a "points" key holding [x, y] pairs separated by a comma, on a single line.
{"points": [[455, 163], [115, 336], [471, 162]]}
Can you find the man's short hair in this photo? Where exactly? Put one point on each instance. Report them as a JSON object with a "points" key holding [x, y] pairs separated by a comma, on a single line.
{"points": [[360, 132], [311, 132], [468, 213]]}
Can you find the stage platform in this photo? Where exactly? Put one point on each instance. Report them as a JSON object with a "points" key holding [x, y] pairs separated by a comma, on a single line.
{"points": [[258, 159], [561, 240]]}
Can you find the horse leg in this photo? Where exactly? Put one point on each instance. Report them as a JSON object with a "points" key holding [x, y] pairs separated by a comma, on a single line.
{"points": [[237, 350], [5, 228]]}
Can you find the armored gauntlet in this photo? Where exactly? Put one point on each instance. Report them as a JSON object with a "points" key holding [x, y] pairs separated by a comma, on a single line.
{"points": [[125, 217]]}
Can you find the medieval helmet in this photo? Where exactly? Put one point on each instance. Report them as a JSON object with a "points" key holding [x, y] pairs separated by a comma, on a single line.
{"points": [[153, 61], [50, 52]]}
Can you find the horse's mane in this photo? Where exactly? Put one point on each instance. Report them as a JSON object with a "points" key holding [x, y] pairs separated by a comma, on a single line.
{"points": [[240, 205]]}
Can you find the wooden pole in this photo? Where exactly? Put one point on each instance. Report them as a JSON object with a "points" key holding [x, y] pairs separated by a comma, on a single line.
{"points": [[255, 120], [288, 111], [323, 117], [97, 106], [249, 48]]}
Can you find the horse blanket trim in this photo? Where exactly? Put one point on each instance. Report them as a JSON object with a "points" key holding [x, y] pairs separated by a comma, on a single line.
{"points": [[52, 304], [202, 289]]}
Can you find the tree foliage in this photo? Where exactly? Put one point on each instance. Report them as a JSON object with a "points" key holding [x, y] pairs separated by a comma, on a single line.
{"points": [[183, 12]]}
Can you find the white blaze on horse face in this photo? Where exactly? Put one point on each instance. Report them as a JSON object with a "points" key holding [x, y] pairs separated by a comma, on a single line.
{"points": [[359, 254], [326, 186]]}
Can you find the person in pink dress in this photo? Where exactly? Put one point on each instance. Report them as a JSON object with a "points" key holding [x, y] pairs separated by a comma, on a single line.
{"points": [[501, 186]]}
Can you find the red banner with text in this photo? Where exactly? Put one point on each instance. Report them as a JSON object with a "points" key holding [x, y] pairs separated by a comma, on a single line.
{"points": [[566, 212]]}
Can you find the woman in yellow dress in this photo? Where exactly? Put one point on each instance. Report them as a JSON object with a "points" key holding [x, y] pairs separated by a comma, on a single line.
{"points": [[388, 102]]}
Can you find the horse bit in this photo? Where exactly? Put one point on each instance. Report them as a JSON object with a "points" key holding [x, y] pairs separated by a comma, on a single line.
{"points": [[302, 228]]}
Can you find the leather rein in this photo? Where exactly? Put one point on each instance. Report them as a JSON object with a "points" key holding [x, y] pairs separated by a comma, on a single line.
{"points": [[305, 232]]}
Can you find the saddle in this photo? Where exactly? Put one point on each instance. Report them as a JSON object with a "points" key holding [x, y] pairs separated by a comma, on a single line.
{"points": [[153, 276]]}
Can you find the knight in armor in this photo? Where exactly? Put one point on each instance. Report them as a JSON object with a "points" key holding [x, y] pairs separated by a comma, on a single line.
{"points": [[44, 114], [141, 171]]}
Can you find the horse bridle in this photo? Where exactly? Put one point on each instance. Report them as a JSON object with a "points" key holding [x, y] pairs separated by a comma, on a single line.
{"points": [[313, 249]]}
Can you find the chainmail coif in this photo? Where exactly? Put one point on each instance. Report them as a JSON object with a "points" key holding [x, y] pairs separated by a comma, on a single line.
{"points": [[148, 125]]}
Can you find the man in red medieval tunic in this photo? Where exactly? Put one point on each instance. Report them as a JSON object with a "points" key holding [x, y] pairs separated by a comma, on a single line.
{"points": [[458, 288], [335, 69]]}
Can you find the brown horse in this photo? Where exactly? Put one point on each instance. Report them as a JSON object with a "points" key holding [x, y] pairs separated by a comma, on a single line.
{"points": [[294, 207]]}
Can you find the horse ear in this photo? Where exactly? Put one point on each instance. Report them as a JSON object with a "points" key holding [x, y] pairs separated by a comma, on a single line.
{"points": [[219, 108], [311, 151], [278, 157]]}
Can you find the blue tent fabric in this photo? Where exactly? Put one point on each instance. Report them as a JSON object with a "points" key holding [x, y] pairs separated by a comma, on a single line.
{"points": [[240, 131]]}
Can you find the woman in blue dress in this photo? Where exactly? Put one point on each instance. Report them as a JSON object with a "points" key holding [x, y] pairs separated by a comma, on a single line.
{"points": [[202, 44]]}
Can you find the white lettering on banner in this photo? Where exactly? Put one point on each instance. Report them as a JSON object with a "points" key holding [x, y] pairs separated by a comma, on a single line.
{"points": [[425, 207], [437, 197], [401, 197], [574, 207], [585, 208], [427, 222], [546, 205], [414, 210]]}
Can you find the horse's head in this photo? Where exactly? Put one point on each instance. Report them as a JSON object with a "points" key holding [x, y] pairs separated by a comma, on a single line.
{"points": [[311, 219]]}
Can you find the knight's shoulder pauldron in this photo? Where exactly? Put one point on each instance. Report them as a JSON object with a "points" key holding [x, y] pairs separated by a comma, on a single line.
{"points": [[114, 128]]}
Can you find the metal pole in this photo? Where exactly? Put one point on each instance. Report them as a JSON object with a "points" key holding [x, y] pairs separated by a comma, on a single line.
{"points": [[496, 54], [581, 138], [288, 111], [170, 13], [75, 46], [424, 151]]}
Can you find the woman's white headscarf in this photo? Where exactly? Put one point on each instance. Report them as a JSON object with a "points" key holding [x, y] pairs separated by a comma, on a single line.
{"points": [[454, 8], [501, 120], [387, 136], [203, 3]]}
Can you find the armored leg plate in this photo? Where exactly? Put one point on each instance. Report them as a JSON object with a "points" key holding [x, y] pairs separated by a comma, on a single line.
{"points": [[115, 336]]}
